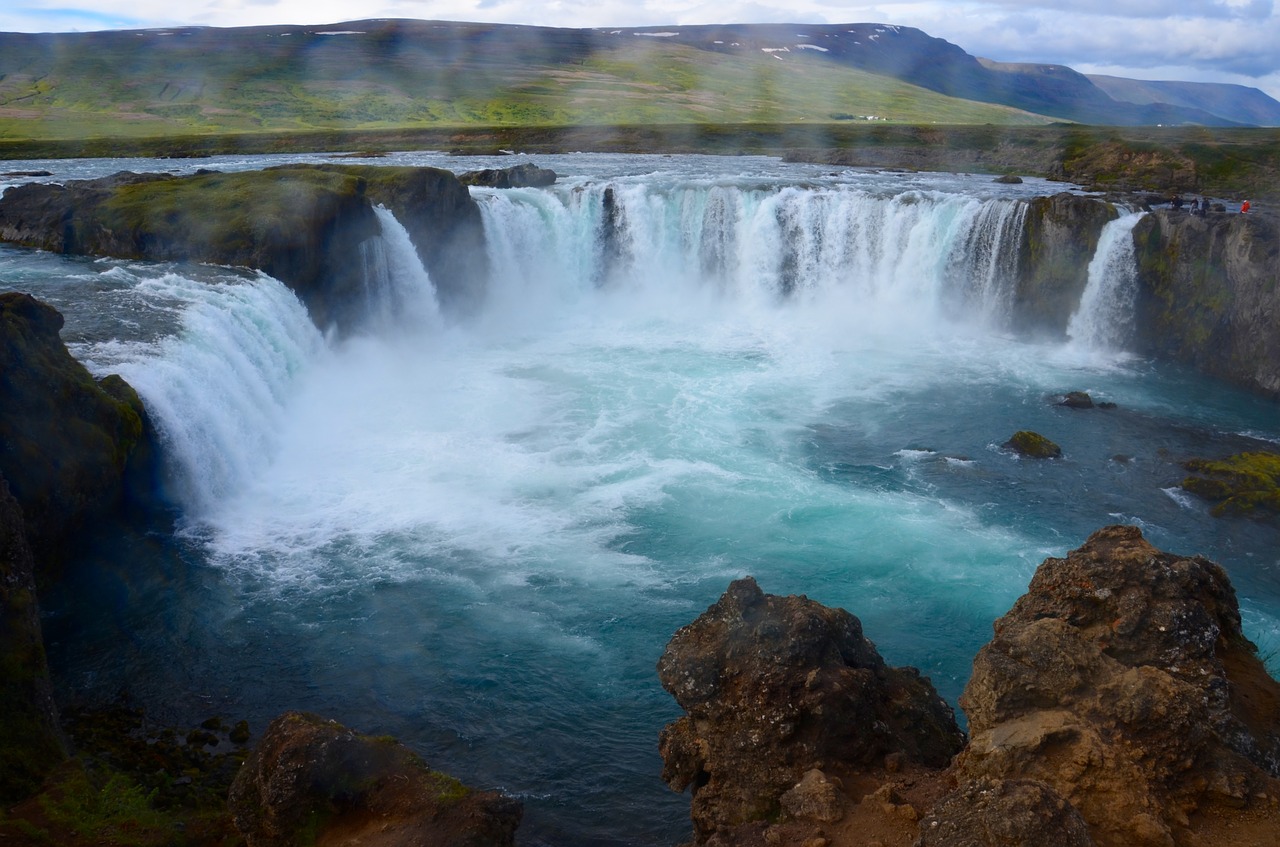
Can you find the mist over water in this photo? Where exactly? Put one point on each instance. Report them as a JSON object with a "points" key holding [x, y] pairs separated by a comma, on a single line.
{"points": [[479, 535]]}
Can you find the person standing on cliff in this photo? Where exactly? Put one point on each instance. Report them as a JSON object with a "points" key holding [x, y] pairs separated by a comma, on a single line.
{"points": [[1244, 207]]}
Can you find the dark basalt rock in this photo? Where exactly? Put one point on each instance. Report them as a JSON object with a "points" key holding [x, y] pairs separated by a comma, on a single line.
{"points": [[1033, 445], [1121, 679], [303, 225], [527, 175], [1207, 295], [31, 744], [1059, 239], [775, 687], [1076, 400], [311, 780], [74, 450]]}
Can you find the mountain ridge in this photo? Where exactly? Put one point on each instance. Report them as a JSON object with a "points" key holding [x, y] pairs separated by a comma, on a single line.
{"points": [[400, 72]]}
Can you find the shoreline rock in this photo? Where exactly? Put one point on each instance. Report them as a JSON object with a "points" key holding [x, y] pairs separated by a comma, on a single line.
{"points": [[1118, 704], [311, 780]]}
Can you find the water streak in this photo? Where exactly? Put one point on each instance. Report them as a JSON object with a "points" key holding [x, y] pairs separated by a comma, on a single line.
{"points": [[1104, 318]]}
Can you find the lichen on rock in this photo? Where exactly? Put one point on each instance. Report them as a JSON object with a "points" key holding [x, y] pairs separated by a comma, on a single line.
{"points": [[1032, 444], [1242, 484]]}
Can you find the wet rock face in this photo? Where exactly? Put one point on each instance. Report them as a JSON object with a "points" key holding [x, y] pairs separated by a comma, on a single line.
{"points": [[777, 686], [1208, 297], [31, 744], [1121, 680], [1059, 239], [312, 781], [527, 175], [73, 449]]}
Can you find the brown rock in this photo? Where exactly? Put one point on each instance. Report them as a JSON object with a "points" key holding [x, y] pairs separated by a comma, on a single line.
{"points": [[994, 813], [814, 798], [777, 686], [311, 780], [1122, 680]]}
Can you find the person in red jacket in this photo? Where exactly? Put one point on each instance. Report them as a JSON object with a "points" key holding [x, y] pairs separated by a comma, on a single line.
{"points": [[1244, 207]]}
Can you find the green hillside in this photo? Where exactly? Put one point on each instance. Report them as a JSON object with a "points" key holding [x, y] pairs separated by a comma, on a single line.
{"points": [[148, 84]]}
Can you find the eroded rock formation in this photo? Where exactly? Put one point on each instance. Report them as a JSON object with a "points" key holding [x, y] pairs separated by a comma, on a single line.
{"points": [[776, 687], [527, 175], [1122, 680], [313, 781], [1118, 704]]}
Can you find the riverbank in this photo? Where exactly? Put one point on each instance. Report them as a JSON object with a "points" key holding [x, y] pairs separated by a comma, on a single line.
{"points": [[1237, 164]]}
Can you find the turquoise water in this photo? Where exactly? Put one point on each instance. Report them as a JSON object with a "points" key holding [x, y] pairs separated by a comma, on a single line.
{"points": [[479, 535]]}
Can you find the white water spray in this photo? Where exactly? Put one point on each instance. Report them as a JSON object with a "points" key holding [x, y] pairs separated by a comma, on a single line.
{"points": [[1104, 318]]}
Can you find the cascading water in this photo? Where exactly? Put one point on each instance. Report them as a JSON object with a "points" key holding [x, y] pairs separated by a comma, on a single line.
{"points": [[478, 537], [399, 292], [1104, 318]]}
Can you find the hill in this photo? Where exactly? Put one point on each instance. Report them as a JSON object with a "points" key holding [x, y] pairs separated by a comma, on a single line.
{"points": [[399, 73], [1234, 102]]}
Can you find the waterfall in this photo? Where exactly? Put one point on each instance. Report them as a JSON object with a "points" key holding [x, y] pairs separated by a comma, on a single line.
{"points": [[217, 389], [1104, 318], [919, 252], [398, 289]]}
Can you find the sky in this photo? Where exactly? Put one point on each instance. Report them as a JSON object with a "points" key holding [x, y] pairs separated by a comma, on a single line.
{"points": [[1236, 41]]}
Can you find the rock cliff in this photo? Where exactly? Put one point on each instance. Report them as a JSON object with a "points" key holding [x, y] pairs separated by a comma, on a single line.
{"points": [[31, 743], [313, 781], [304, 225], [1209, 294], [74, 450], [1119, 703], [1058, 241]]}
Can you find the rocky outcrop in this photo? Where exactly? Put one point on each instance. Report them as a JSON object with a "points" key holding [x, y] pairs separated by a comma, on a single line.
{"points": [[1209, 295], [1059, 239], [527, 175], [313, 781], [1121, 680], [776, 687], [1118, 704], [31, 744], [443, 222], [304, 225], [74, 450], [1245, 483]]}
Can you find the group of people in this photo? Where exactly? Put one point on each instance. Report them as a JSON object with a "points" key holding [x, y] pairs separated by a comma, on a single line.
{"points": [[1200, 205]]}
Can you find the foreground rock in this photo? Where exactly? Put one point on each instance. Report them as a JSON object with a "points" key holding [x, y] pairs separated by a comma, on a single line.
{"points": [[1118, 704], [31, 744], [1122, 681], [304, 225], [75, 450], [313, 781], [775, 688], [1208, 296]]}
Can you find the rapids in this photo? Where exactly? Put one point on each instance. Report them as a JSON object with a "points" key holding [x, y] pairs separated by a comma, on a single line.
{"points": [[479, 534]]}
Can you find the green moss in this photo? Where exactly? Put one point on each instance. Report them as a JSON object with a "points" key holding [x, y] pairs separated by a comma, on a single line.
{"points": [[116, 811], [447, 789], [1033, 445], [1244, 483]]}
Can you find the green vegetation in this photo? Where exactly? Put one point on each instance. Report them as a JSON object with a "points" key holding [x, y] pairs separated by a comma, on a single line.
{"points": [[1033, 445], [1240, 484]]}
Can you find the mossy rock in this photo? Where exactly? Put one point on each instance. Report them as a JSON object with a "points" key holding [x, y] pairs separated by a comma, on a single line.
{"points": [[1244, 483], [1034, 445]]}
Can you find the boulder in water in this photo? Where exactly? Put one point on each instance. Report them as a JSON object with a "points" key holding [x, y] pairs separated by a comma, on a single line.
{"points": [[311, 781], [527, 175], [1243, 484], [1076, 400], [1033, 445]]}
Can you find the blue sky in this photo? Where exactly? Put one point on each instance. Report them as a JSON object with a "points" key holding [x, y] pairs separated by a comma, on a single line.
{"points": [[1234, 41]]}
